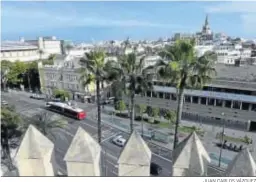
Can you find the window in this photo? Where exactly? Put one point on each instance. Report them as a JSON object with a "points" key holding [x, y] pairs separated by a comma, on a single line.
{"points": [[174, 97], [203, 100], [245, 106], [154, 94], [167, 95], [236, 104], [187, 99], [254, 107], [210, 102], [195, 99], [219, 102], [228, 104], [148, 93], [161, 95]]}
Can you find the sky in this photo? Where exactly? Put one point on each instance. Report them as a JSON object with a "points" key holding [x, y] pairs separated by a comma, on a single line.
{"points": [[87, 21]]}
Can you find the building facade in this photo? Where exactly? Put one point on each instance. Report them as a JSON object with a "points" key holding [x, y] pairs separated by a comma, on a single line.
{"points": [[28, 50]]}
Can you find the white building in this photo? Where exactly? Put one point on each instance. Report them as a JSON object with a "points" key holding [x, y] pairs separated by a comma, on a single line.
{"points": [[64, 75], [28, 50], [228, 53], [49, 45], [13, 51]]}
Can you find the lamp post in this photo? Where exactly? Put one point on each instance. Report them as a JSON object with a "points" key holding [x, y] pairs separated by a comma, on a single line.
{"points": [[222, 138]]}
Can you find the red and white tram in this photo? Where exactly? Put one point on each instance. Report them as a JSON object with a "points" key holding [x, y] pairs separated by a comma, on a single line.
{"points": [[66, 109]]}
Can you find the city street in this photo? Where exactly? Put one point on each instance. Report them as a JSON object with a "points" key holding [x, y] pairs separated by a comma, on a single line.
{"points": [[63, 137]]}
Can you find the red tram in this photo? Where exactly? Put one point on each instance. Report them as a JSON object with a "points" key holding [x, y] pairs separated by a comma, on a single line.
{"points": [[66, 110]]}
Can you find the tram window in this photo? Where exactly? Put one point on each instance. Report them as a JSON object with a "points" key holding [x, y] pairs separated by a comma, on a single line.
{"points": [[167, 95], [236, 104], [210, 102], [245, 106], [219, 102], [174, 97], [228, 104], [154, 94], [254, 107], [195, 99], [187, 99], [203, 100], [148, 93]]}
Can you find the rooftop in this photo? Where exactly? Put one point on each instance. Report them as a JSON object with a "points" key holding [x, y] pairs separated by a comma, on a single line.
{"points": [[16, 45], [242, 73]]}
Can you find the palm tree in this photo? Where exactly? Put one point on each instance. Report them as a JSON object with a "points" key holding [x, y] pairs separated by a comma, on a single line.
{"points": [[95, 70], [45, 123], [52, 57], [185, 70], [134, 78], [40, 52]]}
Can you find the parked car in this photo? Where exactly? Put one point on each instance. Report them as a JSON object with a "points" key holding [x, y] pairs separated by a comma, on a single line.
{"points": [[37, 96], [155, 169], [119, 140], [4, 103]]}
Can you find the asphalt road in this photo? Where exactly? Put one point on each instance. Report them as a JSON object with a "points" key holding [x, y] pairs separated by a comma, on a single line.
{"points": [[110, 152]]}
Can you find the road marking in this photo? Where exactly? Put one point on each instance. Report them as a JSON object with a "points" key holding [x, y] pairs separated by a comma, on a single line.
{"points": [[67, 132], [161, 157], [108, 138]]}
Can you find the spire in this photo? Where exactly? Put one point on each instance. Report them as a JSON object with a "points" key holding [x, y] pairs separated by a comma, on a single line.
{"points": [[206, 21]]}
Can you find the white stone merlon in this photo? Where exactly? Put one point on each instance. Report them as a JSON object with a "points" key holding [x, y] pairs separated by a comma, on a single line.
{"points": [[242, 165], [34, 156], [135, 157], [83, 155], [190, 157]]}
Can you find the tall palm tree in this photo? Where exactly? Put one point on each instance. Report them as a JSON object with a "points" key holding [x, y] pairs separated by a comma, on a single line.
{"points": [[134, 77], [40, 52], [185, 70], [95, 70]]}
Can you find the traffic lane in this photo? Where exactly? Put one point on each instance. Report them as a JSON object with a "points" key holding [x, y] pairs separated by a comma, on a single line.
{"points": [[114, 151]]}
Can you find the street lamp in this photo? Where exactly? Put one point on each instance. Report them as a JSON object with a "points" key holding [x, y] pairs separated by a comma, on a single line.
{"points": [[222, 138]]}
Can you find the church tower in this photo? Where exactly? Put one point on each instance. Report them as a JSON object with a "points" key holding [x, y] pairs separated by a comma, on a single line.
{"points": [[206, 28]]}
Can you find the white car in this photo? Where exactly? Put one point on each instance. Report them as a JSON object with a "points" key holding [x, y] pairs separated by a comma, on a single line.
{"points": [[4, 103], [119, 141]]}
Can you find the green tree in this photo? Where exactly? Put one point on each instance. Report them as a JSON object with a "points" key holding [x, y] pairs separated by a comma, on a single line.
{"points": [[62, 94], [10, 130], [134, 78], [155, 112], [247, 140], [185, 70], [16, 72], [171, 116], [5, 68], [121, 106], [95, 70], [46, 123]]}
